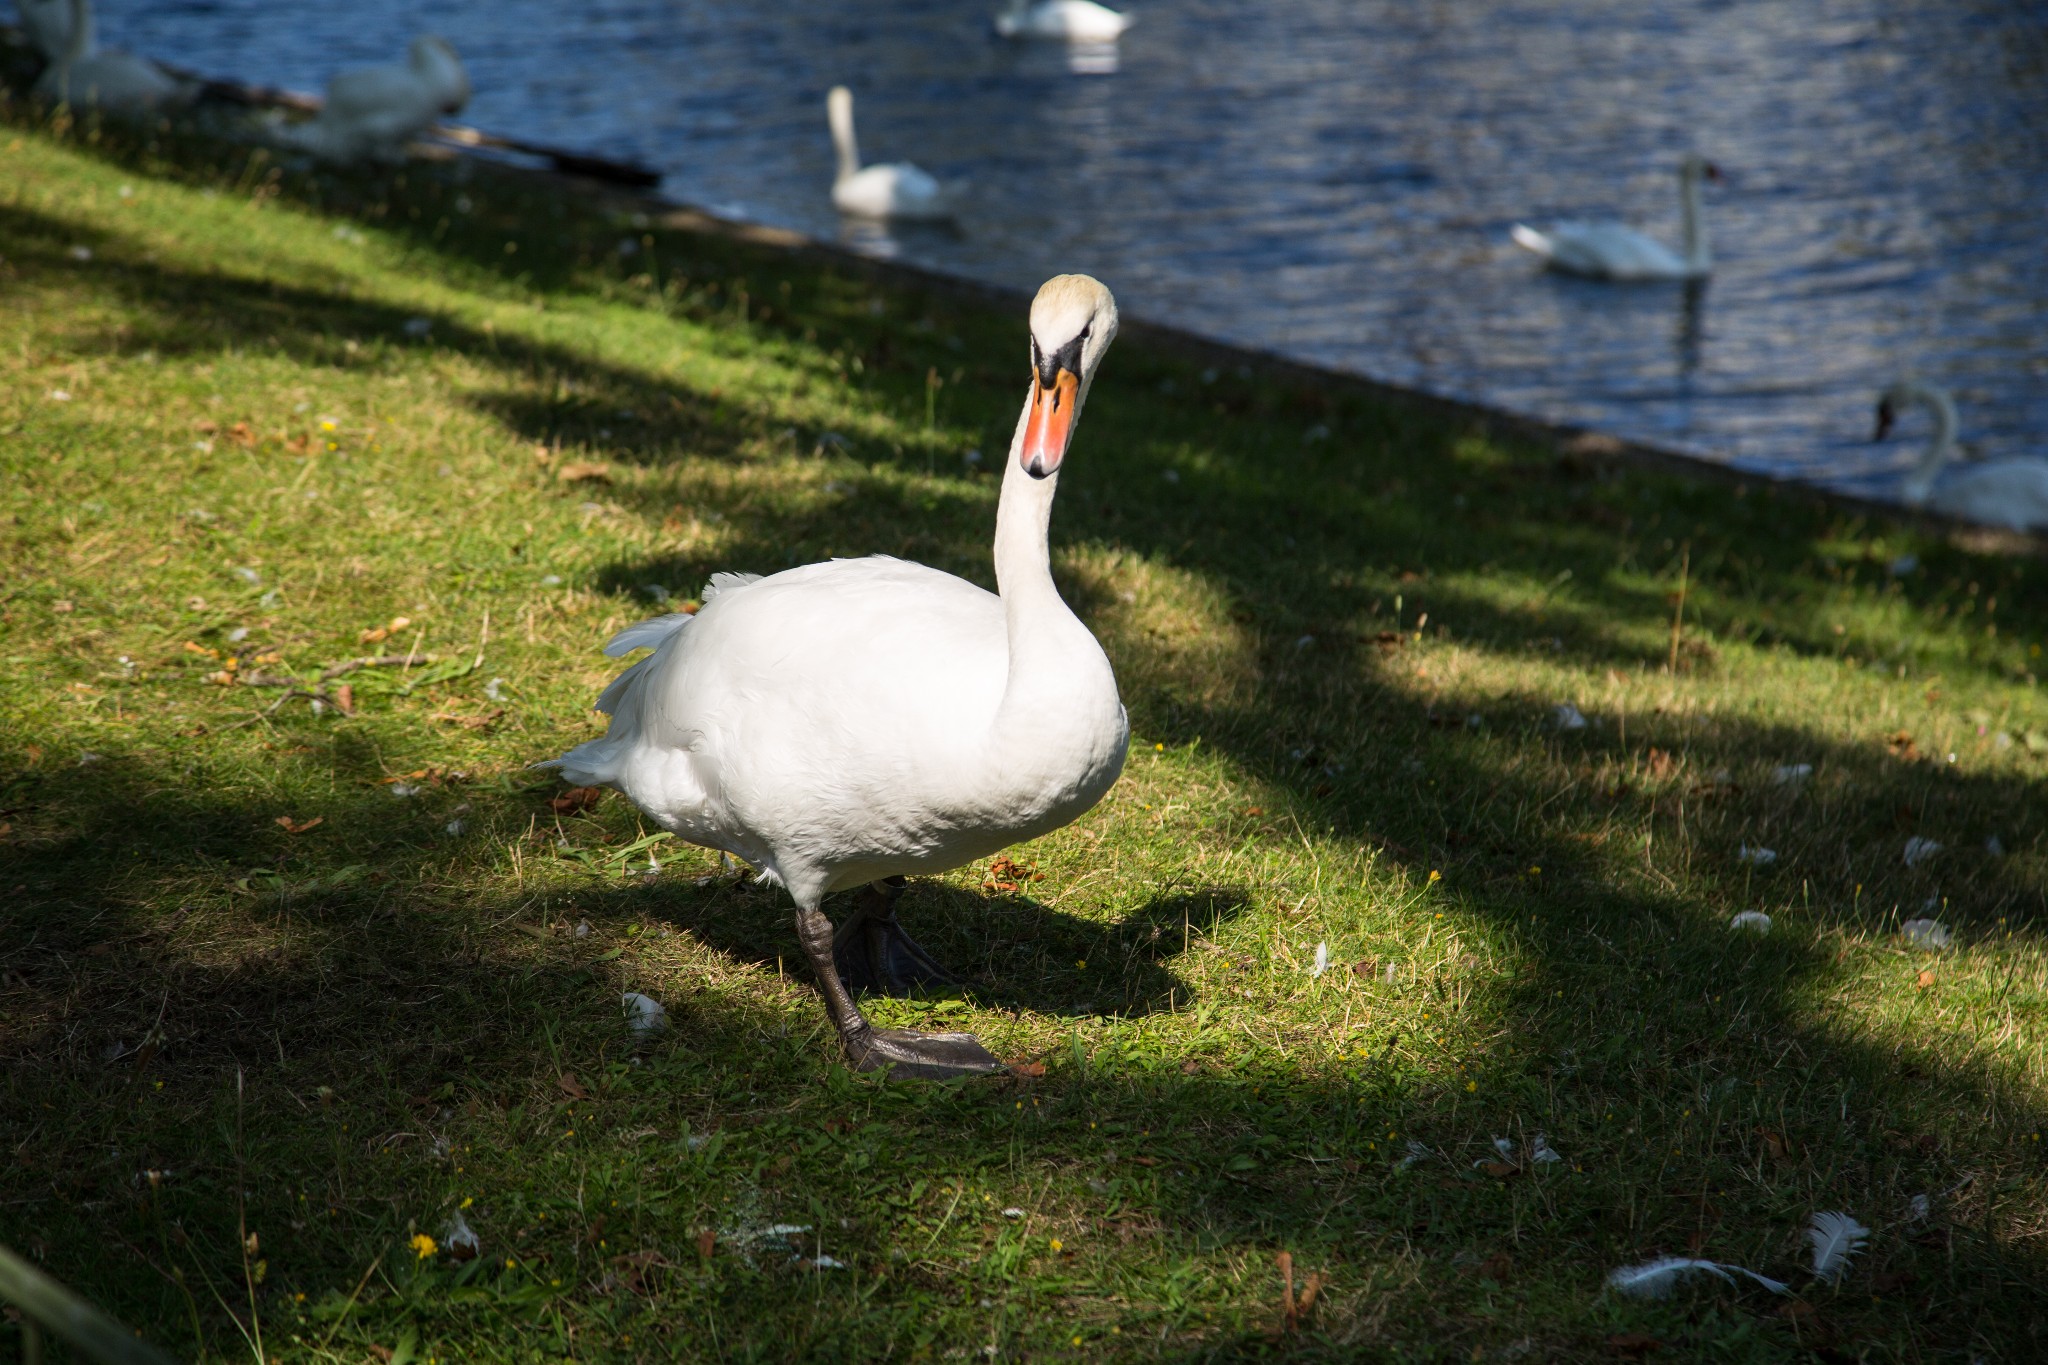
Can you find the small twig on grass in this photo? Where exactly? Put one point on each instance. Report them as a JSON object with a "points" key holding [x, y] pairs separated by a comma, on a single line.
{"points": [[242, 1226], [353, 1295], [1678, 616]]}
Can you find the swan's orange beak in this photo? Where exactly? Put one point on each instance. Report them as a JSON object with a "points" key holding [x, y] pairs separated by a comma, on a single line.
{"points": [[1051, 423]]}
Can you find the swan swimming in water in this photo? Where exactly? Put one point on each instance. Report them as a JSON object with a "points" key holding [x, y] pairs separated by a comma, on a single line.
{"points": [[2008, 493], [843, 724], [1610, 251], [374, 111], [895, 190], [83, 76], [1075, 21]]}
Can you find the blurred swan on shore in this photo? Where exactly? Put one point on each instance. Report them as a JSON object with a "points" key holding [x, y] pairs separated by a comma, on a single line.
{"points": [[1074, 21], [372, 112], [2009, 493], [1611, 251], [83, 76], [894, 190]]}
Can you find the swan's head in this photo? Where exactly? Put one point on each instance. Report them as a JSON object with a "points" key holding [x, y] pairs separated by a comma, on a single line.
{"points": [[1697, 167], [435, 60], [1073, 320]]}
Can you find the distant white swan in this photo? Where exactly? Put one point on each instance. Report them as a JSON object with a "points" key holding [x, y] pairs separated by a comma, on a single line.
{"points": [[372, 112], [895, 190], [1610, 251], [1075, 21], [84, 77], [2008, 493]]}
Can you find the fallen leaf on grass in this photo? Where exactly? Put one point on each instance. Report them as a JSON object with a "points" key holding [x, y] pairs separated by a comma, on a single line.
{"points": [[383, 632], [576, 800], [1495, 1267], [584, 471], [1775, 1144], [1923, 981], [242, 435], [476, 722], [1900, 742], [706, 1241], [1029, 1070], [631, 1270], [1633, 1343], [1661, 764], [291, 826], [572, 1087]]}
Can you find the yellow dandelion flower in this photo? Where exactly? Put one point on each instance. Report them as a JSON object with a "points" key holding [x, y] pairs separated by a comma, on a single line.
{"points": [[1058, 1245], [424, 1246]]}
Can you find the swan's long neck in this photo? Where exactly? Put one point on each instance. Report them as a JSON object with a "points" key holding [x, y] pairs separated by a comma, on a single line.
{"points": [[840, 111], [1920, 482], [1059, 690], [1697, 257], [80, 43]]}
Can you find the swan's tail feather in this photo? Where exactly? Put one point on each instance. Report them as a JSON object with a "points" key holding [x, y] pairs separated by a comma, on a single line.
{"points": [[645, 635], [1532, 240]]}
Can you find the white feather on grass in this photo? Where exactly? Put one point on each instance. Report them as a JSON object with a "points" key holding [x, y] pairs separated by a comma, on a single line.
{"points": [[1752, 919], [1322, 960], [1656, 1279], [644, 1015], [1926, 933], [1836, 1239], [1416, 1152], [1919, 850]]}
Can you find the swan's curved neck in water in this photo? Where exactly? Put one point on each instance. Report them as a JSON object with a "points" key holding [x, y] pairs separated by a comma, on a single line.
{"points": [[839, 109], [1697, 257], [1939, 446], [80, 42]]}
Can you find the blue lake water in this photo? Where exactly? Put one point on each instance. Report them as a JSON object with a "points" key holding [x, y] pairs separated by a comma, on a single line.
{"points": [[1334, 180]]}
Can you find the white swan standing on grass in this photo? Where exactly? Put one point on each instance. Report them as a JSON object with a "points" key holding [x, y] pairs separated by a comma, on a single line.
{"points": [[895, 190], [1074, 21], [84, 77], [842, 724], [1610, 251], [2008, 493], [374, 111]]}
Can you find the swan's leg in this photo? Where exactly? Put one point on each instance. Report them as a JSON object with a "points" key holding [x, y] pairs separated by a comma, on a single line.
{"points": [[876, 954], [908, 1055]]}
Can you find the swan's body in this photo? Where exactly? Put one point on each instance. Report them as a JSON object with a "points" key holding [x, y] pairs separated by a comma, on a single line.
{"points": [[895, 190], [1611, 251], [861, 719], [374, 111], [84, 77], [2008, 493], [1074, 21]]}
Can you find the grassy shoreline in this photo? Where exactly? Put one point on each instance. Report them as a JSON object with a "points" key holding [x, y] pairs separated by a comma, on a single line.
{"points": [[303, 408]]}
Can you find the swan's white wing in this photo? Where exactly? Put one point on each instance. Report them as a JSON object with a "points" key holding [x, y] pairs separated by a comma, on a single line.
{"points": [[1072, 20], [2010, 493], [1610, 251]]}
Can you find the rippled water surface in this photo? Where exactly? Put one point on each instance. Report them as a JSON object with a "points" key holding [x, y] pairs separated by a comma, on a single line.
{"points": [[1334, 179]]}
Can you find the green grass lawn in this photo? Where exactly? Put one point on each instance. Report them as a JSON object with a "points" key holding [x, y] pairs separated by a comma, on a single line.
{"points": [[291, 975]]}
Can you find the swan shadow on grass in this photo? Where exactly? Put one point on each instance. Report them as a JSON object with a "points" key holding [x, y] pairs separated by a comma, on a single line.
{"points": [[1009, 951]]}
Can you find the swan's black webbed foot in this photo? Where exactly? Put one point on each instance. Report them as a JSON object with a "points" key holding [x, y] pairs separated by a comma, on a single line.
{"points": [[904, 1055], [873, 953], [919, 1056]]}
